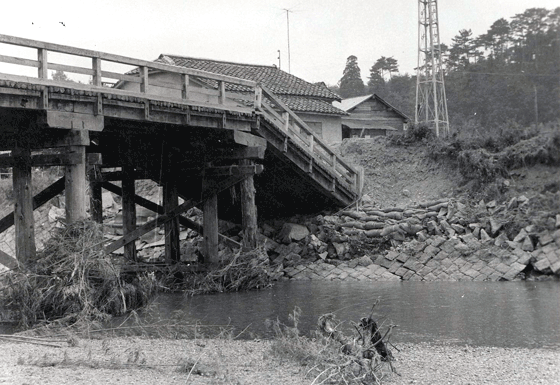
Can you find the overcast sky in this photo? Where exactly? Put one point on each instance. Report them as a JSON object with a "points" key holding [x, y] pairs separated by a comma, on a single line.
{"points": [[323, 33]]}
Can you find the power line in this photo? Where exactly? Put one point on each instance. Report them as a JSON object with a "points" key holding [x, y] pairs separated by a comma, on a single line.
{"points": [[504, 73]]}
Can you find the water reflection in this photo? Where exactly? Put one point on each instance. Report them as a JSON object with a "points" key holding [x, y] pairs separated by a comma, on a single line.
{"points": [[508, 314]]}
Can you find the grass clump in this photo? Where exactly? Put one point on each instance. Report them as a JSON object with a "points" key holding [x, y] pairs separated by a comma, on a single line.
{"points": [[73, 281]]}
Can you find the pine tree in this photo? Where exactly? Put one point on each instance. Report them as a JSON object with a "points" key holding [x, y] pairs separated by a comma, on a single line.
{"points": [[351, 83]]}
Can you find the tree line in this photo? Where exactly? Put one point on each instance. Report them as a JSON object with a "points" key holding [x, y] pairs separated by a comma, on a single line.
{"points": [[509, 74]]}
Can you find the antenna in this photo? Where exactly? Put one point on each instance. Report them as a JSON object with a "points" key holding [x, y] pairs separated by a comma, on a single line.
{"points": [[288, 28], [431, 102], [279, 60]]}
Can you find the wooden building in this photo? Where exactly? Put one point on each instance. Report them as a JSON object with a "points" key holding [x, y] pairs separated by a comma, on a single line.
{"points": [[313, 103], [370, 116]]}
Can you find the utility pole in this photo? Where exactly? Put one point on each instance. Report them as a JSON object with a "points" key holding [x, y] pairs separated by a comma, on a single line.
{"points": [[279, 61], [431, 102], [288, 28]]}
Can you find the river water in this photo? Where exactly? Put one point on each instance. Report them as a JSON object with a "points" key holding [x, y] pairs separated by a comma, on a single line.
{"points": [[504, 314]]}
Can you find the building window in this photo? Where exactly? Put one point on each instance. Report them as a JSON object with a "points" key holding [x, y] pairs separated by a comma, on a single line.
{"points": [[317, 128]]}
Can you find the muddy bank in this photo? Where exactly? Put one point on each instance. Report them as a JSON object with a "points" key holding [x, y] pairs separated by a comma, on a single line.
{"points": [[137, 360]]}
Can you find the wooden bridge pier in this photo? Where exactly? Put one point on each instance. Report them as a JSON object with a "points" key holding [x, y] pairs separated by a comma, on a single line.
{"points": [[195, 133], [71, 154]]}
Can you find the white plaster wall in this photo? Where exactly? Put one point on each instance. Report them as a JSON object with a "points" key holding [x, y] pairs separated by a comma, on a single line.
{"points": [[332, 125]]}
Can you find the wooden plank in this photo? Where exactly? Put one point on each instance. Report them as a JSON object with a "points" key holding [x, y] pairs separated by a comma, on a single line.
{"points": [[144, 85], [222, 92], [6, 160], [240, 96], [129, 192], [116, 75], [170, 202], [38, 200], [19, 61], [258, 97], [68, 138], [185, 86], [190, 224], [94, 158], [210, 234], [286, 121], [23, 207], [69, 68], [75, 187], [160, 220], [253, 153], [43, 72], [247, 139], [248, 209], [97, 73], [8, 261], [224, 170], [95, 195], [74, 121]]}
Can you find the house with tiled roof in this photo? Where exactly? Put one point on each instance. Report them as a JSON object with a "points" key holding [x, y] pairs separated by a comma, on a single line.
{"points": [[313, 103], [369, 116]]}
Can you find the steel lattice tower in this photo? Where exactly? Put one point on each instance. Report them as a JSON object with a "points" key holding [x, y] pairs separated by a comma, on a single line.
{"points": [[431, 103]]}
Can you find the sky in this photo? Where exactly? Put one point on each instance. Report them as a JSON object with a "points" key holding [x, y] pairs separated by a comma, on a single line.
{"points": [[323, 33]]}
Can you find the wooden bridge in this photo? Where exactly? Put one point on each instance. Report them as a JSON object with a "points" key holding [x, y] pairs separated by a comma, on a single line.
{"points": [[194, 139]]}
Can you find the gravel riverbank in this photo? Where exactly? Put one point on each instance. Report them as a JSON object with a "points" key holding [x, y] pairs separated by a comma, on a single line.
{"points": [[214, 361]]}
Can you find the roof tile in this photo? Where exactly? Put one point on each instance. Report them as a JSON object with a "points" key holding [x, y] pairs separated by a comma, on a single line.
{"points": [[278, 81]]}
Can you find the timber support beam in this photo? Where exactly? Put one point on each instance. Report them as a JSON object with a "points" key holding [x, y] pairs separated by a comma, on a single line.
{"points": [[23, 206], [248, 210]]}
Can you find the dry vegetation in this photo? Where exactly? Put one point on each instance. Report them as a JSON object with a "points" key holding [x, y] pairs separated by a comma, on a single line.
{"points": [[240, 271], [73, 281], [331, 357]]}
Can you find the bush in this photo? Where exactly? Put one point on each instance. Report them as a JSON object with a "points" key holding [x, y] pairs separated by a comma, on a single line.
{"points": [[414, 134]]}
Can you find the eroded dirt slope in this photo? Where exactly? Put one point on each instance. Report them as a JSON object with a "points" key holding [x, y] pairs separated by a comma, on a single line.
{"points": [[399, 175], [402, 175]]}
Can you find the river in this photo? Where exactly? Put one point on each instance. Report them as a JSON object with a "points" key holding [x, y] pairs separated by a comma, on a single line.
{"points": [[504, 314]]}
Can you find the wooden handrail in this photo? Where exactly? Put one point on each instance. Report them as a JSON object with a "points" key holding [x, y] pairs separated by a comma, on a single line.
{"points": [[286, 119], [44, 46]]}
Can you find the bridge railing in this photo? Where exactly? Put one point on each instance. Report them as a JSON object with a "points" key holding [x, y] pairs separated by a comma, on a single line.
{"points": [[99, 76], [287, 121]]}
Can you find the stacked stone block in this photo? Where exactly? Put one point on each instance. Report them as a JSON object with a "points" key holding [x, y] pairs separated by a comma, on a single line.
{"points": [[434, 241]]}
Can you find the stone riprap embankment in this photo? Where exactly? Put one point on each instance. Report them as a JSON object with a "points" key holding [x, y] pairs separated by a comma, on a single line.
{"points": [[430, 242]]}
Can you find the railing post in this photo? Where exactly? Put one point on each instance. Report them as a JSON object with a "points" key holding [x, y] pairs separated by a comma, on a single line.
{"points": [[286, 117], [258, 97], [96, 66], [333, 157], [311, 142], [144, 74], [185, 83], [43, 63], [222, 89], [361, 179]]}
